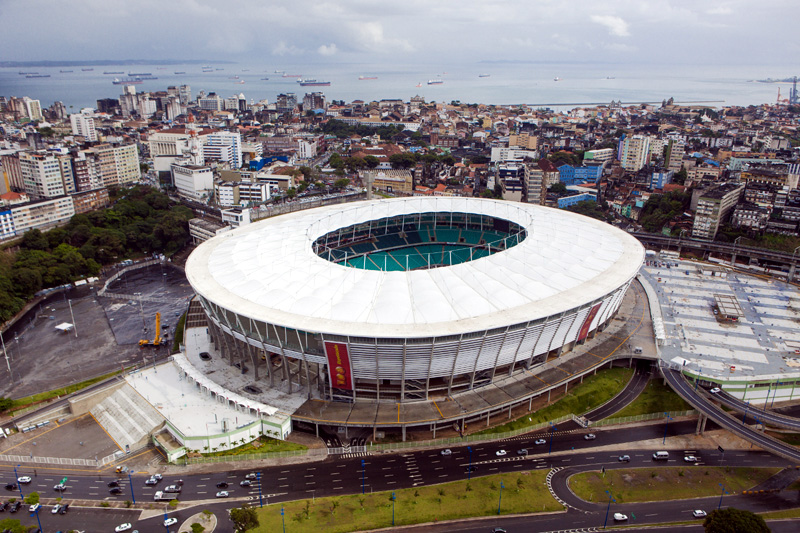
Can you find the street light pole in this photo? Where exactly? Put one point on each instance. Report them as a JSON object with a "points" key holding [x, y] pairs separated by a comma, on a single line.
{"points": [[19, 485], [774, 394], [610, 499], [393, 500], [363, 474], [130, 481], [552, 430], [720, 496], [260, 499], [283, 519], [37, 518], [469, 469], [74, 327], [666, 425], [499, 501]]}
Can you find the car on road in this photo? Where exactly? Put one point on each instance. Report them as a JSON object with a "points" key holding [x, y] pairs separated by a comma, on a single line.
{"points": [[11, 486], [4, 506], [222, 485], [205, 356], [619, 517], [158, 477], [15, 507], [245, 483], [178, 482], [540, 441], [151, 481], [113, 484], [498, 530], [222, 494], [699, 513], [471, 468], [523, 451], [690, 459], [56, 508], [500, 453], [60, 487], [173, 488], [115, 491], [446, 451], [251, 476], [35, 507], [170, 521], [590, 436], [123, 527], [715, 390], [64, 509], [624, 458], [24, 479]]}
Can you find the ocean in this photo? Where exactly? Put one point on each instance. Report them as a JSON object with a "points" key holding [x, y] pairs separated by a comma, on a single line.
{"points": [[502, 83]]}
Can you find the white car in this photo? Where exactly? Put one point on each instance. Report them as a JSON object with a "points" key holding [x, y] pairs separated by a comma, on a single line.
{"points": [[222, 494], [619, 517], [590, 436], [447, 451], [699, 513], [170, 521], [56, 508], [123, 527], [35, 507], [24, 479], [690, 459], [715, 390], [500, 453], [540, 441]]}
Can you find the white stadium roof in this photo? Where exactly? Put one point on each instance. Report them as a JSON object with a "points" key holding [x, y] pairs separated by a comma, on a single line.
{"points": [[268, 271]]}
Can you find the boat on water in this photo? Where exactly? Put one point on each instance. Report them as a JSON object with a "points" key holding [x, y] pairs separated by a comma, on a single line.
{"points": [[37, 75], [233, 77], [264, 79], [180, 72], [208, 70], [245, 70], [113, 72], [291, 75], [87, 69], [419, 85], [64, 71], [280, 72], [435, 82], [139, 74], [240, 81], [127, 81], [219, 69], [484, 75], [556, 79], [368, 78], [313, 83], [610, 78]]}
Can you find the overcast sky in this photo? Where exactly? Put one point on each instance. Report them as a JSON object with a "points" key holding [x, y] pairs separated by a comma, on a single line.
{"points": [[404, 31]]}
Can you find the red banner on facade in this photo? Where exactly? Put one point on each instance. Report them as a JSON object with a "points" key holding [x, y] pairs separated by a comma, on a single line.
{"points": [[339, 365], [588, 322]]}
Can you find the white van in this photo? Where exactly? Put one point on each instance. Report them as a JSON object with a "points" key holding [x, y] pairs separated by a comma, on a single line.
{"points": [[661, 456]]}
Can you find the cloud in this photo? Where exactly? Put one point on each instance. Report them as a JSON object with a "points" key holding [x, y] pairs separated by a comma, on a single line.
{"points": [[721, 10], [616, 26], [327, 49], [283, 49], [370, 36]]}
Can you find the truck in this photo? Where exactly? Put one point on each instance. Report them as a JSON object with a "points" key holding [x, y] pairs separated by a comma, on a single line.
{"points": [[160, 495]]}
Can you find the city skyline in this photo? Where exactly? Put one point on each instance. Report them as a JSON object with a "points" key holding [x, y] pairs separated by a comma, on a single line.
{"points": [[674, 32]]}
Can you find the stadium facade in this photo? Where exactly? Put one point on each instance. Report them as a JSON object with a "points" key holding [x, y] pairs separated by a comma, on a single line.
{"points": [[404, 300]]}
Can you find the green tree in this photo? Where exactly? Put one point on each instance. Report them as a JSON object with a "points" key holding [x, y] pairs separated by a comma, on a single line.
{"points": [[5, 403], [34, 240], [341, 183], [32, 498], [244, 518], [734, 521], [12, 525], [197, 528], [371, 161], [558, 188]]}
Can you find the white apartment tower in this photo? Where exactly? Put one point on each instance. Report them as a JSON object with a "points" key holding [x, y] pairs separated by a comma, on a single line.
{"points": [[44, 175], [83, 124], [634, 152], [224, 146]]}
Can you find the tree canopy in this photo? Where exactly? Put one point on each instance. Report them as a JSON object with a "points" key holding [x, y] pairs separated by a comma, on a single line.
{"points": [[244, 518], [734, 521], [661, 208]]}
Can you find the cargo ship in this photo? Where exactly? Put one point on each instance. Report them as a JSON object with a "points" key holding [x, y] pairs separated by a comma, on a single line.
{"points": [[435, 82], [313, 83], [368, 77], [87, 69], [139, 74], [64, 71], [37, 75], [484, 75], [127, 81], [177, 72], [291, 76], [113, 72]]}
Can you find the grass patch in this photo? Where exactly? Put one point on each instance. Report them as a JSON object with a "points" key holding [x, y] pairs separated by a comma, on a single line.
{"points": [[593, 392], [657, 484], [788, 438], [260, 445], [777, 515], [655, 398], [40, 397], [523, 492]]}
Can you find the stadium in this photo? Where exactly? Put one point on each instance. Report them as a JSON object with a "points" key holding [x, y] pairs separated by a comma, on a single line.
{"points": [[410, 299]]}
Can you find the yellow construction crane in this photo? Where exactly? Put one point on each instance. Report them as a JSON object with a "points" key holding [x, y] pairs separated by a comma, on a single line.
{"points": [[157, 339]]}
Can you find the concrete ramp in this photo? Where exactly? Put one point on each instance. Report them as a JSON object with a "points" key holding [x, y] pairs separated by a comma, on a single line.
{"points": [[127, 417]]}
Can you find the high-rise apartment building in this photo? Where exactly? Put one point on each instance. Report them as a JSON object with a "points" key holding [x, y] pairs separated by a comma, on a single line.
{"points": [[713, 207], [534, 184], [224, 146], [119, 165], [45, 175], [83, 124], [634, 152]]}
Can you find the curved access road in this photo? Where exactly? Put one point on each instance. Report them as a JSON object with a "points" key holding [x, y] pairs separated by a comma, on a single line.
{"points": [[699, 401], [769, 418], [632, 390]]}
